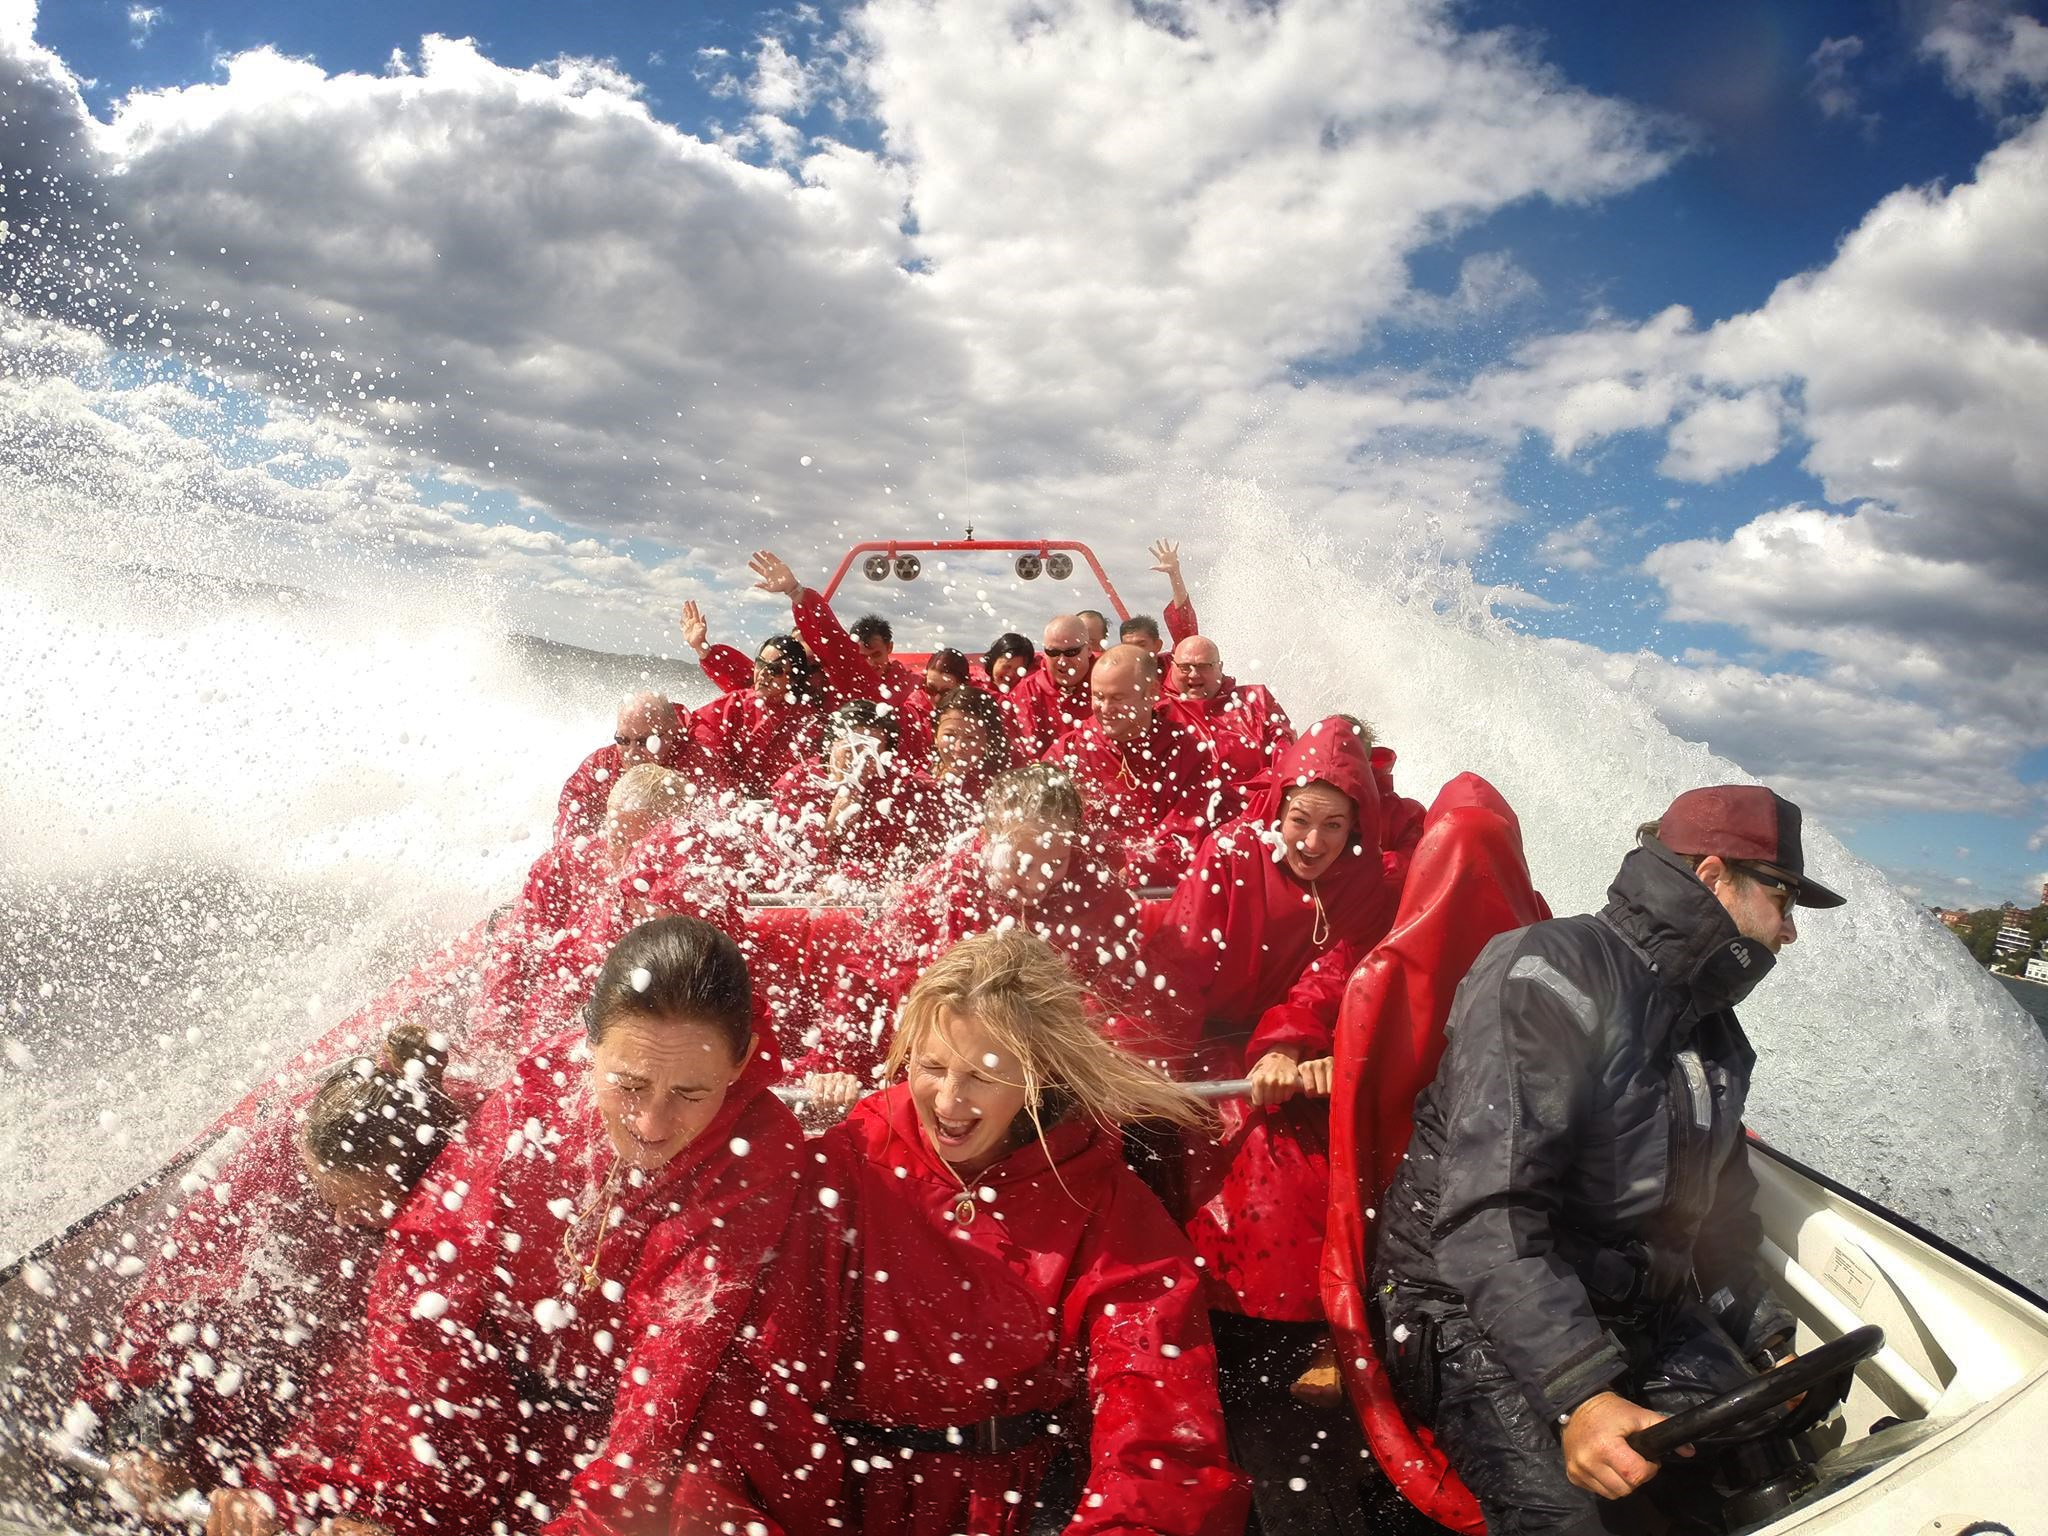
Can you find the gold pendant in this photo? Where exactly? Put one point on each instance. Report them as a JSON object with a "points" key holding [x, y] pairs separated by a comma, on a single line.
{"points": [[963, 1209]]}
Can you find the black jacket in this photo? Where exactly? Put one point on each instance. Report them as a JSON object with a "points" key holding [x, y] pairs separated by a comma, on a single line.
{"points": [[1580, 1156]]}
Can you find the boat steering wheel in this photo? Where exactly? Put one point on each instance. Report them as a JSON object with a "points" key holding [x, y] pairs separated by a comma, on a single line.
{"points": [[1733, 1415]]}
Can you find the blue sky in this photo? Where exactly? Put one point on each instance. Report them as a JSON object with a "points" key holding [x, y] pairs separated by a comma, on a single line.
{"points": [[1646, 157]]}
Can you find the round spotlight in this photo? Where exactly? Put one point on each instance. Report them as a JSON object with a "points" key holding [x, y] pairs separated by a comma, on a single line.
{"points": [[875, 567], [907, 567], [1059, 565], [1028, 567]]}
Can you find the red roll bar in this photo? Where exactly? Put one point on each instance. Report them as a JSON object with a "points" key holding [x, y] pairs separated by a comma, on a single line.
{"points": [[1038, 547]]}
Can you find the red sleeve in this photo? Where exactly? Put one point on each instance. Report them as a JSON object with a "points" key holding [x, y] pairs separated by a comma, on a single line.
{"points": [[580, 810], [1276, 731], [728, 669], [427, 1340], [1188, 940], [692, 1288], [846, 671], [1307, 1018], [1180, 621], [1157, 1458], [1163, 855]]}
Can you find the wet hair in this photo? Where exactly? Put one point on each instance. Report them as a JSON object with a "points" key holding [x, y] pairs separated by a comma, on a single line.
{"points": [[674, 968], [1097, 615], [1136, 625], [872, 626], [864, 717], [804, 682], [385, 1114], [1009, 643], [987, 713], [649, 787], [1035, 792], [951, 663], [1018, 988]]}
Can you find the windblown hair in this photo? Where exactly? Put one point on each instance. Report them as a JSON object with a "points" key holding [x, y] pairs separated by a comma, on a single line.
{"points": [[985, 712], [1139, 626], [644, 794], [872, 626], [384, 1114], [951, 663], [1016, 986], [677, 968], [1035, 792]]}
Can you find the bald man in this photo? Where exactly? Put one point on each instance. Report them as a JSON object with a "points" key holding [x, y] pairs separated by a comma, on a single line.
{"points": [[1243, 723], [1054, 700], [1150, 784], [648, 729]]}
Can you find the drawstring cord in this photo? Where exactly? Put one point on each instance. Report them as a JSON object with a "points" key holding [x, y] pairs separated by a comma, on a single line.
{"points": [[1319, 933]]}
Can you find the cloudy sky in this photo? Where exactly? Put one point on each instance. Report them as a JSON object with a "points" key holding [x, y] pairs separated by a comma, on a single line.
{"points": [[1713, 340]]}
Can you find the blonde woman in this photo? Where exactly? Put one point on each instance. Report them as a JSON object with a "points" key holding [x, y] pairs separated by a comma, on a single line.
{"points": [[981, 1281]]}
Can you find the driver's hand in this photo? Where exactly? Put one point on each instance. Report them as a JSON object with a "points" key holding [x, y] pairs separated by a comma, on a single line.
{"points": [[1318, 1077], [238, 1512], [350, 1525], [835, 1091], [1275, 1079], [1596, 1453]]}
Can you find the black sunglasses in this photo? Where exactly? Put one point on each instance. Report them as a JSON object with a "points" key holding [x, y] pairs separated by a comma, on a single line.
{"points": [[1779, 884], [775, 668], [637, 741], [1065, 650]]}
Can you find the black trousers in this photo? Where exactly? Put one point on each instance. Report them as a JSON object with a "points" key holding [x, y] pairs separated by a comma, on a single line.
{"points": [[1311, 1472], [1510, 1455]]}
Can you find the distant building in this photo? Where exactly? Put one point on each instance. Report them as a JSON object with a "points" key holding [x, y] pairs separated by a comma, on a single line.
{"points": [[2012, 938], [1955, 920], [2037, 968]]}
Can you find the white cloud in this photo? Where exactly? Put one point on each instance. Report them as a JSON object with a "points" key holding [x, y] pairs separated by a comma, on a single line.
{"points": [[1989, 52], [530, 282], [142, 21], [1572, 548], [1830, 86]]}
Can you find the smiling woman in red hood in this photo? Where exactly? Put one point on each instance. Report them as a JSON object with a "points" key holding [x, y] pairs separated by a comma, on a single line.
{"points": [[975, 1279]]}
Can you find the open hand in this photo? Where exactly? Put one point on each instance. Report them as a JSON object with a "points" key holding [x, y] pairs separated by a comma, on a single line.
{"points": [[774, 573], [696, 633], [1167, 555]]}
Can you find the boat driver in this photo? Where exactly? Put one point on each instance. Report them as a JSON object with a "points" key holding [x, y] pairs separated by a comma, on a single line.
{"points": [[1569, 1252]]}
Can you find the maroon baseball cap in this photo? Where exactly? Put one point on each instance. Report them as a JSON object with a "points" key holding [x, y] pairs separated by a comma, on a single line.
{"points": [[1744, 822]]}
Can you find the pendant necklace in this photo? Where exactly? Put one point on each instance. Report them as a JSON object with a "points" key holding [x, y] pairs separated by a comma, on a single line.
{"points": [[587, 1273]]}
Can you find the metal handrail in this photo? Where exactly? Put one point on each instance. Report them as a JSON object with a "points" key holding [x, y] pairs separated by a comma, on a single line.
{"points": [[1041, 547], [795, 1095], [191, 1506]]}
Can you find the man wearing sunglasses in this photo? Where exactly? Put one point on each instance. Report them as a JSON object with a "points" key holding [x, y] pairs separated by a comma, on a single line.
{"points": [[1054, 700], [649, 729], [1569, 1252]]}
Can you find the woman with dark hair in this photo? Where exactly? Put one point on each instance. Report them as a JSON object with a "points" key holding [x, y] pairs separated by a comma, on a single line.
{"points": [[1008, 662], [758, 733], [623, 1186], [970, 743], [975, 1281], [248, 1318]]}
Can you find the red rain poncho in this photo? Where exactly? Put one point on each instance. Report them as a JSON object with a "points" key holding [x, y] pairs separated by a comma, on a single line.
{"points": [[1044, 712], [903, 820], [1151, 803], [755, 739], [491, 1367], [249, 1316], [1090, 916], [1243, 929], [1468, 883], [579, 812], [1070, 1293], [1245, 728], [849, 676], [1400, 817]]}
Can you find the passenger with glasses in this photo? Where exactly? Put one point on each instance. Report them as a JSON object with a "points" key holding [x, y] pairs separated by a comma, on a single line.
{"points": [[1054, 700], [1243, 723], [648, 729]]}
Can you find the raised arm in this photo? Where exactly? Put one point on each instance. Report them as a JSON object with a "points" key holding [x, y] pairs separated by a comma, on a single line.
{"points": [[1180, 612], [728, 669]]}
